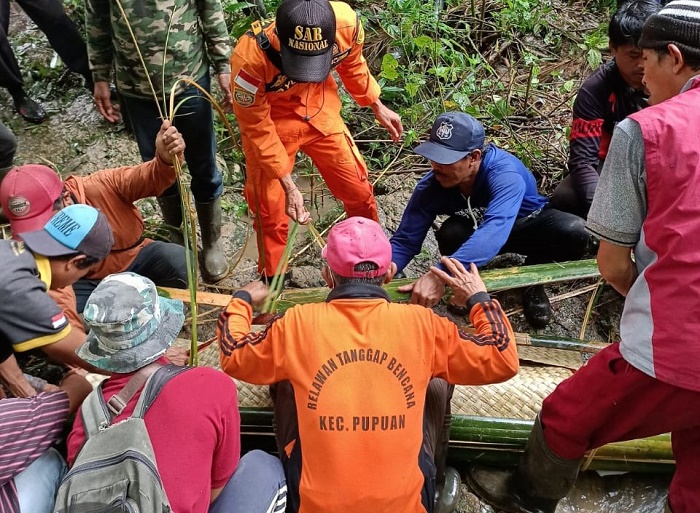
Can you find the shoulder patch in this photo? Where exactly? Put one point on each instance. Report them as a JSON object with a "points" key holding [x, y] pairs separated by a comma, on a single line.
{"points": [[245, 80], [58, 321], [243, 97]]}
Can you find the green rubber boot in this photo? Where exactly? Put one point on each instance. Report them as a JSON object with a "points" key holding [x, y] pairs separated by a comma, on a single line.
{"points": [[215, 265], [540, 482]]}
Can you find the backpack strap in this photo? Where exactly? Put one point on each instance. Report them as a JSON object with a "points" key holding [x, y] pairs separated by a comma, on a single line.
{"points": [[154, 385], [95, 412], [118, 401], [264, 44]]}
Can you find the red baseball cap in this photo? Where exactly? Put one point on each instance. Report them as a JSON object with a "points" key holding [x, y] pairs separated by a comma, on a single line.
{"points": [[354, 241], [27, 195]]}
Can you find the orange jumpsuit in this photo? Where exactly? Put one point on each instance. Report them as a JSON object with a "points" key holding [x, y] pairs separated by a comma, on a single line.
{"points": [[278, 117]]}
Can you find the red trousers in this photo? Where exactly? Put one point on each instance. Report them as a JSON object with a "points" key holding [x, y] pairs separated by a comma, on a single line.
{"points": [[338, 160], [608, 400]]}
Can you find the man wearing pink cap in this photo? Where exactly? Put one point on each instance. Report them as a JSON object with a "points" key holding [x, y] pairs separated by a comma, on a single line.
{"points": [[355, 371], [30, 194]]}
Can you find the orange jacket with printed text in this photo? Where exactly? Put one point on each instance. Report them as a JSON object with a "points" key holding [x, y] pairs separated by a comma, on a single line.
{"points": [[270, 107], [360, 367]]}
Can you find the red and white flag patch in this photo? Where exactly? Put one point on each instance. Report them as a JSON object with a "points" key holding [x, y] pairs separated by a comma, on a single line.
{"points": [[247, 81], [58, 320]]}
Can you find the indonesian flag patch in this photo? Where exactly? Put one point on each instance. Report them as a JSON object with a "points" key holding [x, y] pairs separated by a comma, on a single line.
{"points": [[247, 81], [58, 320]]}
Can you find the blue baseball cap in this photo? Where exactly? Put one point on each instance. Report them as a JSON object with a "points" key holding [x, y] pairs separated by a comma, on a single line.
{"points": [[454, 136], [74, 229]]}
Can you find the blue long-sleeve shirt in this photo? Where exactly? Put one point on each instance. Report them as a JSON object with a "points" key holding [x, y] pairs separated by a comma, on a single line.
{"points": [[503, 185]]}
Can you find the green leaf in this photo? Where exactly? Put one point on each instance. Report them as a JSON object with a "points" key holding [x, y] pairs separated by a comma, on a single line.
{"points": [[423, 41], [389, 67], [594, 58]]}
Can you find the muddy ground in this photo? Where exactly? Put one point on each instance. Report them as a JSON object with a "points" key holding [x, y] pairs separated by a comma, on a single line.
{"points": [[75, 140]]}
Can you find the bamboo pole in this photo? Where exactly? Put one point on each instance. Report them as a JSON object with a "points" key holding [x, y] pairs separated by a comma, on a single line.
{"points": [[495, 280], [497, 441]]}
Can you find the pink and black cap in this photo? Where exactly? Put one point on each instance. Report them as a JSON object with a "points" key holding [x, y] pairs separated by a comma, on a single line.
{"points": [[354, 241]]}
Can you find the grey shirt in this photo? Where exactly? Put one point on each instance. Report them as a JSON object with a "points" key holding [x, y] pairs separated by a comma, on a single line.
{"points": [[620, 202]]}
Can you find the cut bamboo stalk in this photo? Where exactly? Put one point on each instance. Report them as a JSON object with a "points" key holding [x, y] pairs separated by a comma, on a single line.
{"points": [[499, 442], [495, 280]]}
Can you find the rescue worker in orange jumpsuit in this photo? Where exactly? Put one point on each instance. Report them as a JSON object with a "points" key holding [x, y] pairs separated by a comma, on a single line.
{"points": [[286, 100]]}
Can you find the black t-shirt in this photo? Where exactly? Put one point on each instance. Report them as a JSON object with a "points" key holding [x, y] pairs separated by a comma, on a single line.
{"points": [[604, 100]]}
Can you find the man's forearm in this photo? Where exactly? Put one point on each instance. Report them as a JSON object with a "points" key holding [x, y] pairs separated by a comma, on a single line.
{"points": [[288, 183], [616, 266]]}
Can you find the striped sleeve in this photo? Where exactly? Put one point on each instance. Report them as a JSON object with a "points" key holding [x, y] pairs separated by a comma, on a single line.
{"points": [[28, 427], [255, 357], [489, 355]]}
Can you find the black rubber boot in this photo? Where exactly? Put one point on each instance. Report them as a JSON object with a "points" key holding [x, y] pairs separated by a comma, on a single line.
{"points": [[172, 217], [215, 265], [540, 482], [29, 109], [536, 306]]}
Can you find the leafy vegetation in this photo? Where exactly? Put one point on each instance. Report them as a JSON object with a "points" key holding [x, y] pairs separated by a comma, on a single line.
{"points": [[513, 64]]}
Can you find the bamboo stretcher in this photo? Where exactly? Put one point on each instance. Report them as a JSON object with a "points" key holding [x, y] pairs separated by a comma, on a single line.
{"points": [[490, 423]]}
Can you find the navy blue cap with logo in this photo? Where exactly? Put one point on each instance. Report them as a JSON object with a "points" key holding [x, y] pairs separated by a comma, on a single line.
{"points": [[306, 29], [74, 229], [454, 136]]}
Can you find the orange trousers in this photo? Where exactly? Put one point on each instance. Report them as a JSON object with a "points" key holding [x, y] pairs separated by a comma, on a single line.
{"points": [[340, 164]]}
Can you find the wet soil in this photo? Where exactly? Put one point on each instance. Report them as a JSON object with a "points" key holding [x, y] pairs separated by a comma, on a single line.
{"points": [[75, 140]]}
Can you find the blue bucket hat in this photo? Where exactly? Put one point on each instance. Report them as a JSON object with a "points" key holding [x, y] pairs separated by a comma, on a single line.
{"points": [[130, 325], [454, 136]]}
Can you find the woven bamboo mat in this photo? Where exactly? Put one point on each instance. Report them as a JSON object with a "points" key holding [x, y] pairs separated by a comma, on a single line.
{"points": [[548, 356], [518, 398]]}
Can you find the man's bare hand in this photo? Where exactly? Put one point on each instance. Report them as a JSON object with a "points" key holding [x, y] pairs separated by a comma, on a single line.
{"points": [[225, 84], [103, 100], [388, 119], [177, 355], [425, 291], [295, 208], [13, 379], [169, 142], [464, 284], [258, 292]]}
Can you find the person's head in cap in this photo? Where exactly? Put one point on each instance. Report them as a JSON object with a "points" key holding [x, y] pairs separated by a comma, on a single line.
{"points": [[75, 239], [624, 31], [671, 45], [130, 324], [357, 251], [306, 30], [30, 195], [454, 149]]}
